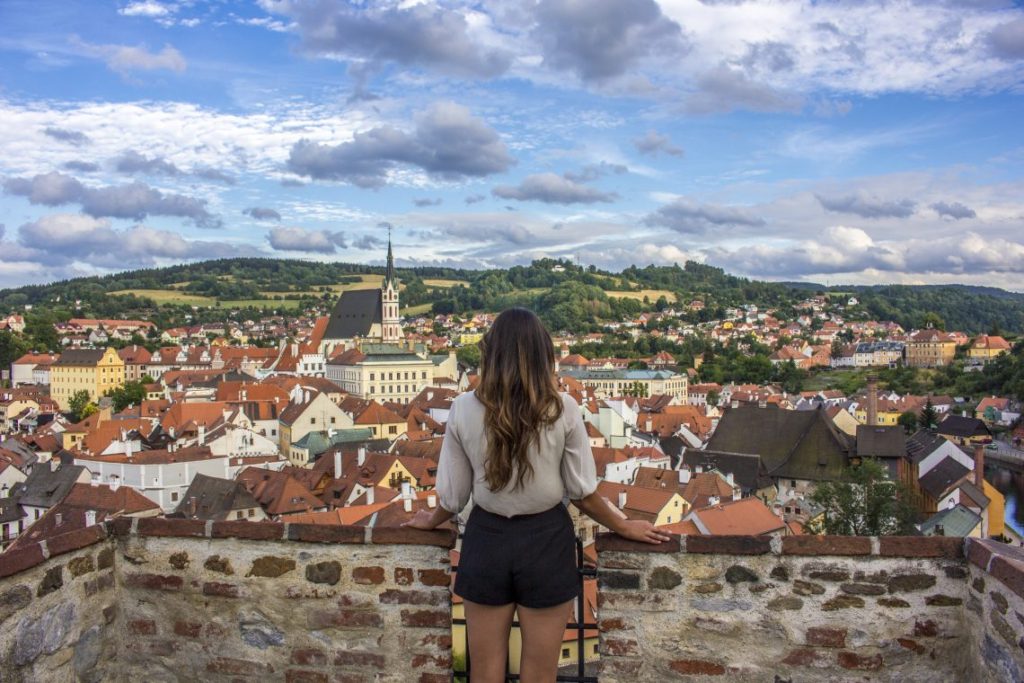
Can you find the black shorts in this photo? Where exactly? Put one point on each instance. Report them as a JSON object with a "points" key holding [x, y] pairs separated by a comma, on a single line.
{"points": [[527, 559]]}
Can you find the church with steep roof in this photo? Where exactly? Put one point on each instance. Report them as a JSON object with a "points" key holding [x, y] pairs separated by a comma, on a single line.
{"points": [[365, 315]]}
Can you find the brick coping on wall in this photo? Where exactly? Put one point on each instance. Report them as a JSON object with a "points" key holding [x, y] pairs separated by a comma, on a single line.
{"points": [[18, 560], [999, 560]]}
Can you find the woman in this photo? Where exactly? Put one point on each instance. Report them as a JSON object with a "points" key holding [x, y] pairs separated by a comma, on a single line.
{"points": [[519, 447]]}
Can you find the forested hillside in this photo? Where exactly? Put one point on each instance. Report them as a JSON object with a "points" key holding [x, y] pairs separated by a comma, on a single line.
{"points": [[569, 296]]}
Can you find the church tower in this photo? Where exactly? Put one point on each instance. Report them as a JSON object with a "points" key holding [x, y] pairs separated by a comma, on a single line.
{"points": [[391, 330]]}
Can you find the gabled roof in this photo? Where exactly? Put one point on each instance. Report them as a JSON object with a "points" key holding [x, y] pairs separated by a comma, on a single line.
{"points": [[45, 487], [744, 517], [356, 311], [80, 357], [123, 500], [955, 521], [939, 479], [923, 443], [641, 503], [957, 425], [704, 486], [793, 444], [214, 498], [881, 442], [278, 492]]}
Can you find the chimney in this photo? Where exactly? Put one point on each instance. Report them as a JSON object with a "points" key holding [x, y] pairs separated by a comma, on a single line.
{"points": [[432, 501], [90, 518], [406, 490], [622, 499], [115, 483], [94, 481], [713, 500], [407, 504], [337, 464], [361, 456], [54, 464], [730, 478], [872, 408], [369, 496], [735, 404], [202, 435], [649, 425], [684, 475], [60, 518], [979, 465]]}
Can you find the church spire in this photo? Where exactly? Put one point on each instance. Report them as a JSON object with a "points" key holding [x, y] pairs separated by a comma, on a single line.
{"points": [[389, 276]]}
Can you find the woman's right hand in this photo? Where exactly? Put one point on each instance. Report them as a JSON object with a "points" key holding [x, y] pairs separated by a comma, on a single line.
{"points": [[641, 530]]}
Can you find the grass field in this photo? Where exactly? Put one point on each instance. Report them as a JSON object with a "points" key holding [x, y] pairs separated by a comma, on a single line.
{"points": [[652, 295], [438, 282], [168, 297], [417, 310]]}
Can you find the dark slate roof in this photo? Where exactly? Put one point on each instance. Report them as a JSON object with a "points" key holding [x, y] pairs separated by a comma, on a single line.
{"points": [[214, 498], [955, 521], [46, 487], [355, 312], [747, 470], [80, 357], [793, 444], [971, 490], [957, 425], [10, 510], [881, 442], [940, 478], [923, 443]]}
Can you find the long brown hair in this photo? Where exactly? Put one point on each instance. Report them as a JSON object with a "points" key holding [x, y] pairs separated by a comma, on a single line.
{"points": [[519, 392]]}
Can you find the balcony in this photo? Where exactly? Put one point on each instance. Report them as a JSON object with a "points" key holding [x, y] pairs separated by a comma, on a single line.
{"points": [[156, 599]]}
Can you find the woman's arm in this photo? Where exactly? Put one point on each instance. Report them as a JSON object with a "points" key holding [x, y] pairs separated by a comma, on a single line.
{"points": [[425, 519], [601, 511]]}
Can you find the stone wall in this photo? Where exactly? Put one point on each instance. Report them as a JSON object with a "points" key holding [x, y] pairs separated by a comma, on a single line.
{"points": [[800, 608], [995, 609], [175, 600]]}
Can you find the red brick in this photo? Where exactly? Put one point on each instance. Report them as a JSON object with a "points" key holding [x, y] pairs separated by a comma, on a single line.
{"points": [[17, 561], [344, 618], [428, 618], [822, 636], [188, 629], [697, 667], [911, 645], [154, 581], [729, 545], [323, 533], [393, 596], [1009, 572], [852, 660], [619, 647], [980, 551], [142, 627], [801, 656], [926, 628], [403, 576], [74, 540], [254, 531], [162, 526], [371, 659], [612, 541], [444, 538], [237, 667], [308, 656], [368, 575], [443, 641], [156, 648], [921, 546], [437, 661], [434, 678], [616, 624], [298, 676], [434, 577], [221, 590], [809, 544]]}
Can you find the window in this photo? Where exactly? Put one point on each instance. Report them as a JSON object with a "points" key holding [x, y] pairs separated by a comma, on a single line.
{"points": [[333, 420], [312, 420], [423, 375], [273, 432], [252, 513], [565, 653], [392, 429], [174, 496], [238, 515], [372, 377]]}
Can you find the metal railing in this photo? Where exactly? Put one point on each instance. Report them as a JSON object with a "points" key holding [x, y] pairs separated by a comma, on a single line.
{"points": [[580, 626]]}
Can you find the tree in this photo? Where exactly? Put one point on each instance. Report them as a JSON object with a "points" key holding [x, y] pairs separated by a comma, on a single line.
{"points": [[129, 394], [469, 355], [908, 421], [929, 416], [78, 403], [712, 398], [864, 503], [12, 347], [934, 320]]}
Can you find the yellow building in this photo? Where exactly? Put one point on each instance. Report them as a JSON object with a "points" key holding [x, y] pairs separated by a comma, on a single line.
{"points": [[987, 347], [930, 349], [467, 338], [996, 510], [96, 371]]}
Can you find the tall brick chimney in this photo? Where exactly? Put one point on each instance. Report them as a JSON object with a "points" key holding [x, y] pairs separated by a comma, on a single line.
{"points": [[872, 409], [979, 465]]}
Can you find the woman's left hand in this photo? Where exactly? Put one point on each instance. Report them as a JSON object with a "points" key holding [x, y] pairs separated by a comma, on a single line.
{"points": [[422, 520]]}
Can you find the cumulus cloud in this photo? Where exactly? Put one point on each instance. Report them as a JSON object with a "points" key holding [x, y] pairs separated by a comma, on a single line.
{"points": [[868, 207], [602, 39], [592, 172], [769, 56], [954, 210], [507, 233], [132, 162], [127, 59], [1007, 40], [72, 137], [551, 188], [300, 239], [688, 217], [81, 166], [134, 201], [418, 35], [69, 238], [426, 201], [367, 242], [262, 214], [475, 198], [448, 142], [724, 89], [653, 142], [147, 8], [216, 174]]}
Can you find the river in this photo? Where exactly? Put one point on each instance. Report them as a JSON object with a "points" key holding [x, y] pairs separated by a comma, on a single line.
{"points": [[1011, 485]]}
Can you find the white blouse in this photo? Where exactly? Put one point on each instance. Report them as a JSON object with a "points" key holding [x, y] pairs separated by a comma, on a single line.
{"points": [[563, 464]]}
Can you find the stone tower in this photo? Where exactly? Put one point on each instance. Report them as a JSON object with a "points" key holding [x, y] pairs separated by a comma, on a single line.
{"points": [[391, 330]]}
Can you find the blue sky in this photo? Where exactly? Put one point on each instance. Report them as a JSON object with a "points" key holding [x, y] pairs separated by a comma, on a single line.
{"points": [[855, 142]]}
